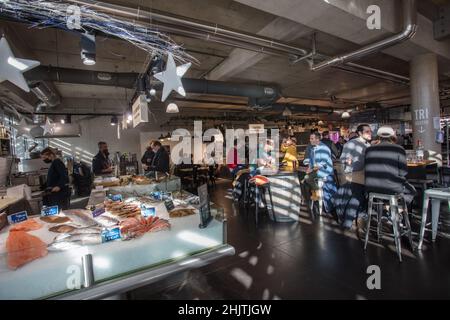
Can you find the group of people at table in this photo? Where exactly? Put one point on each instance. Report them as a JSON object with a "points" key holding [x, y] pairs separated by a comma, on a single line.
{"points": [[368, 165]]}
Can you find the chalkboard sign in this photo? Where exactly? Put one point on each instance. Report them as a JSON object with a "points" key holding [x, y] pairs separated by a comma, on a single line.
{"points": [[204, 208], [169, 205]]}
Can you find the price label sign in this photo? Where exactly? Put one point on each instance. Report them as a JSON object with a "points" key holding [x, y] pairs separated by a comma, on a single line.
{"points": [[111, 235], [49, 211], [169, 205], [115, 197], [18, 217], [166, 196], [98, 212], [157, 195], [148, 211]]}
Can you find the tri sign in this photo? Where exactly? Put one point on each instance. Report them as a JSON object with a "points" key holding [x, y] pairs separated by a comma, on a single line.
{"points": [[421, 118]]}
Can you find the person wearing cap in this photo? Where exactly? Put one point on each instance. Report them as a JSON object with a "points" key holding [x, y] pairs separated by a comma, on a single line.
{"points": [[386, 168]]}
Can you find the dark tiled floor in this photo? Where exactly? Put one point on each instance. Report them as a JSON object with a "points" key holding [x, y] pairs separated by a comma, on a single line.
{"points": [[305, 260]]}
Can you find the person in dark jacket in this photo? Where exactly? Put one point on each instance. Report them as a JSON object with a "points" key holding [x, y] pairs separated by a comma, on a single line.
{"points": [[147, 159], [330, 144], [386, 167], [58, 192], [101, 164], [161, 159]]}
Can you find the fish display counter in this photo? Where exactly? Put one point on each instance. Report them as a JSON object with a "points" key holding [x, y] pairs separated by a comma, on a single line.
{"points": [[120, 244]]}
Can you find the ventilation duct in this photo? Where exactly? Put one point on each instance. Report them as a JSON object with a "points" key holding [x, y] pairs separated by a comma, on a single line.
{"points": [[45, 94], [129, 80]]}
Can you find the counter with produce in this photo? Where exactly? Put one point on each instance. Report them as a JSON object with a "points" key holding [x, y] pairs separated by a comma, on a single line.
{"points": [[42, 257]]}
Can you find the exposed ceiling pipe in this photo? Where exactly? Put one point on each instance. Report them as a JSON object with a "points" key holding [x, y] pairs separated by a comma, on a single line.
{"points": [[409, 29], [213, 29], [45, 94], [129, 80], [296, 108], [215, 33]]}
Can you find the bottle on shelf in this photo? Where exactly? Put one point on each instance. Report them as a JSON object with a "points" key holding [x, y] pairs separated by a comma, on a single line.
{"points": [[420, 151]]}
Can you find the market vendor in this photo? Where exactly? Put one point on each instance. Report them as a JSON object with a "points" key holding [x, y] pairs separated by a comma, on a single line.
{"points": [[161, 161], [58, 192], [147, 158], [101, 164]]}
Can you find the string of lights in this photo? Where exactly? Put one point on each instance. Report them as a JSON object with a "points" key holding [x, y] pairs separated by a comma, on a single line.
{"points": [[59, 14]]}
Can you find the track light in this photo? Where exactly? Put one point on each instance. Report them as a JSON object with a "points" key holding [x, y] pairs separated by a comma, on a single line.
{"points": [[87, 44], [114, 121]]}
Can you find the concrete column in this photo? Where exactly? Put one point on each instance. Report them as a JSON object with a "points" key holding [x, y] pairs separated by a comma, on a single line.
{"points": [[425, 107]]}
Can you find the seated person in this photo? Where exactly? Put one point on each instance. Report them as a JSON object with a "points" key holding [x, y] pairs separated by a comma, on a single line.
{"points": [[386, 167]]}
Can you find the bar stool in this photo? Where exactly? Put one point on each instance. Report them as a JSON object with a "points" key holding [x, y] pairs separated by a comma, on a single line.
{"points": [[255, 191], [381, 200]]}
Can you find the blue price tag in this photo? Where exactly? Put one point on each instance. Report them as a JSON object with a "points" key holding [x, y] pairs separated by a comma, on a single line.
{"points": [[147, 211], [98, 212], [115, 197], [111, 235], [166, 196], [49, 211], [157, 195], [17, 217]]}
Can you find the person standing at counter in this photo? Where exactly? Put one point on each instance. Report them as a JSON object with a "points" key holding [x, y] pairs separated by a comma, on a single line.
{"points": [[386, 167], [101, 164], [350, 200], [161, 160], [147, 158], [320, 167], [330, 144], [57, 181], [289, 148]]}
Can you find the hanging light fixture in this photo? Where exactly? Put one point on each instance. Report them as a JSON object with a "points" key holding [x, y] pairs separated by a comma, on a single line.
{"points": [[172, 108], [287, 112], [345, 115], [88, 51], [114, 120], [129, 117]]}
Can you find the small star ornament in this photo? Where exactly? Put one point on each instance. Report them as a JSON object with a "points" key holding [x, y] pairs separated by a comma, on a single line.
{"points": [[171, 77], [48, 127], [23, 129], [12, 68]]}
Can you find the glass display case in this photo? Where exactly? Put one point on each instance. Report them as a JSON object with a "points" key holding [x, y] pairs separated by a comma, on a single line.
{"points": [[120, 243]]}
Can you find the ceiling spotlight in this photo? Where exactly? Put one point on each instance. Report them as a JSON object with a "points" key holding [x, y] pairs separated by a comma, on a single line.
{"points": [[63, 121], [152, 92], [345, 115], [114, 121], [129, 118], [87, 44], [287, 112], [172, 108]]}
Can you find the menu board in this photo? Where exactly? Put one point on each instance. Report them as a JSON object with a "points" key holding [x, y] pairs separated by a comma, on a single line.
{"points": [[204, 208]]}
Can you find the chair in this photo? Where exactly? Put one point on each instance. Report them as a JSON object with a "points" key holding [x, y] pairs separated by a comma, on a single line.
{"points": [[394, 216], [255, 192]]}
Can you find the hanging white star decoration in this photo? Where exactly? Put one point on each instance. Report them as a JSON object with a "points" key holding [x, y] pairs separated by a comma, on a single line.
{"points": [[48, 127], [23, 129], [171, 77], [12, 68]]}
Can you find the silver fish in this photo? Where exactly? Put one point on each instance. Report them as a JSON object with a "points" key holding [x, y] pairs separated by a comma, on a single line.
{"points": [[75, 241], [107, 221], [81, 217]]}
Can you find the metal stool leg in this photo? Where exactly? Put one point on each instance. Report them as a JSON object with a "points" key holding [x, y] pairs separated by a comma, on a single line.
{"points": [[369, 217], [271, 204], [379, 222]]}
